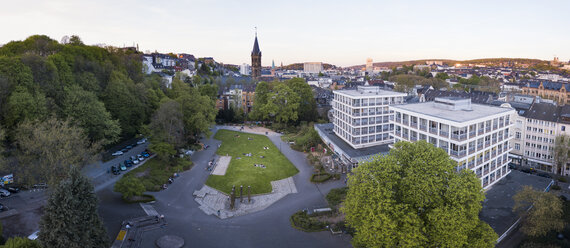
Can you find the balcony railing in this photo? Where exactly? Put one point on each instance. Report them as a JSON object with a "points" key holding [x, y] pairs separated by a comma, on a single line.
{"points": [[405, 122], [356, 114], [471, 150], [500, 150], [472, 134], [443, 133], [493, 153], [501, 125], [457, 154], [459, 136], [399, 133], [479, 147], [433, 130], [488, 129], [481, 131], [413, 138], [399, 120], [495, 126], [479, 160], [471, 164], [414, 124], [487, 143], [486, 157], [494, 140], [423, 127]]}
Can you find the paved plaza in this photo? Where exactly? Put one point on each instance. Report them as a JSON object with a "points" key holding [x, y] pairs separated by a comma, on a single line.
{"points": [[222, 165]]}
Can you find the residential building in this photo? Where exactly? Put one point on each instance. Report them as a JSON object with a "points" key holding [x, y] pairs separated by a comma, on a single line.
{"points": [[313, 67], [361, 116], [255, 60], [559, 92], [535, 132], [475, 136], [369, 65], [244, 69]]}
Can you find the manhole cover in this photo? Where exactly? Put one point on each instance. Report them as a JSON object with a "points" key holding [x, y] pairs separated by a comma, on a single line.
{"points": [[170, 241]]}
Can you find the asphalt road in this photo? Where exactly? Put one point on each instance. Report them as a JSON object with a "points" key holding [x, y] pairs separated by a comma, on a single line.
{"points": [[267, 228]]}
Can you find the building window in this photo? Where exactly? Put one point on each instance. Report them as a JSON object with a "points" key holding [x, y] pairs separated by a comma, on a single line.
{"points": [[517, 146], [563, 128], [518, 135]]}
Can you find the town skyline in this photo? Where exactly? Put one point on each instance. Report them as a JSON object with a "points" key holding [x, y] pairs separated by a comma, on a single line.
{"points": [[315, 32]]}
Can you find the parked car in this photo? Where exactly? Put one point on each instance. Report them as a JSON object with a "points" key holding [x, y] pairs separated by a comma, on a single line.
{"points": [[124, 150], [115, 170], [512, 166], [142, 141], [117, 153], [145, 154], [40, 186], [128, 163], [542, 174], [12, 188], [4, 193], [34, 235], [136, 161], [526, 170], [122, 167], [129, 147]]}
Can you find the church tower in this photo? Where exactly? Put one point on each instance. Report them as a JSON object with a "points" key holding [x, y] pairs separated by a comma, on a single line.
{"points": [[256, 60]]}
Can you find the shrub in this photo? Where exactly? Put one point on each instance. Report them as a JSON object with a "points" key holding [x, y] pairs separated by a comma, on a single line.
{"points": [[302, 221], [336, 196], [336, 176], [129, 186], [562, 179], [555, 187], [319, 178]]}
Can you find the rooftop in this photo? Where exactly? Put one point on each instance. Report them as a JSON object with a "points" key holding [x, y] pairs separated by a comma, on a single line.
{"points": [[357, 154], [369, 91], [430, 108]]}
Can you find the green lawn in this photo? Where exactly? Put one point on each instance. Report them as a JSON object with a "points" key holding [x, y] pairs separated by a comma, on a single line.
{"points": [[242, 171]]}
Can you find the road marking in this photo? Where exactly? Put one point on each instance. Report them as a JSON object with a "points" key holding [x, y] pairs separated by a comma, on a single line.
{"points": [[148, 209]]}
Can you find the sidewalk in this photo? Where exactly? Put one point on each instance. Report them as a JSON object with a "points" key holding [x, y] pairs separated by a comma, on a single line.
{"points": [[132, 235]]}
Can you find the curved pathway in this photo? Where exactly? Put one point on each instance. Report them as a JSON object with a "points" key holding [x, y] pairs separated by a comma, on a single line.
{"points": [[268, 228]]}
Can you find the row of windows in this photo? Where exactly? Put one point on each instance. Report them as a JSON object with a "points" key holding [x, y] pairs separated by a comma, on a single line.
{"points": [[538, 155], [540, 130], [539, 139]]}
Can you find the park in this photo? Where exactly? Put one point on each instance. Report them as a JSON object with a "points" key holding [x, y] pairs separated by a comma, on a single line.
{"points": [[255, 161]]}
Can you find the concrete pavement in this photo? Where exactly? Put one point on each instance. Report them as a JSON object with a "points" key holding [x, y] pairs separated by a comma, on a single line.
{"points": [[268, 228]]}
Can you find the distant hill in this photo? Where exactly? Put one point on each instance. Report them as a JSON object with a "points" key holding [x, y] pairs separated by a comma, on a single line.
{"points": [[486, 61], [299, 66]]}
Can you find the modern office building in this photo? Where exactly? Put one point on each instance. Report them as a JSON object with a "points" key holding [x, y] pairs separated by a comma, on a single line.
{"points": [[476, 136], [361, 116], [313, 67]]}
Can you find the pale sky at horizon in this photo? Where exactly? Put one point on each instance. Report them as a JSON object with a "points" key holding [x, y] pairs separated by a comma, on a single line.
{"points": [[343, 33]]}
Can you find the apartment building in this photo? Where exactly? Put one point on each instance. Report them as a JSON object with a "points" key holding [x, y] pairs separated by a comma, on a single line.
{"points": [[361, 116], [476, 136], [535, 132]]}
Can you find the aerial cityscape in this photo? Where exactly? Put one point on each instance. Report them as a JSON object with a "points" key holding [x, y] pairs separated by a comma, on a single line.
{"points": [[295, 124]]}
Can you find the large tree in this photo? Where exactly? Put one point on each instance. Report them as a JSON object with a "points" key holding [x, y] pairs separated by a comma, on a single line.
{"points": [[307, 103], [541, 212], [88, 112], [282, 104], [47, 149], [167, 124], [561, 152], [70, 217], [414, 197]]}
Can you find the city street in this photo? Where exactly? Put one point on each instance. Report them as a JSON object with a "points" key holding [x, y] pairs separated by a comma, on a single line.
{"points": [[268, 228]]}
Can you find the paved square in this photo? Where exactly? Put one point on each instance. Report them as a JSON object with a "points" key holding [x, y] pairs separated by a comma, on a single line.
{"points": [[222, 165]]}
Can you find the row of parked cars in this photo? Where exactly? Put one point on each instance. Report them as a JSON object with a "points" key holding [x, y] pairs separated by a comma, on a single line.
{"points": [[129, 147], [129, 162], [531, 170]]}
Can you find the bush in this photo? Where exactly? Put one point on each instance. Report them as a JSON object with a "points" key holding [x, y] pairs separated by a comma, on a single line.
{"points": [[336, 196], [336, 176], [129, 186], [555, 187], [562, 179], [302, 221], [319, 178]]}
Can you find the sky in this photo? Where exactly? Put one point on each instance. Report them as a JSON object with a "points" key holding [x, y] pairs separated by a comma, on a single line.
{"points": [[342, 33]]}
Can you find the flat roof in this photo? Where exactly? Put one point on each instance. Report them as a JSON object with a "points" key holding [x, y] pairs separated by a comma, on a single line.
{"points": [[369, 93], [327, 129], [498, 204], [477, 111]]}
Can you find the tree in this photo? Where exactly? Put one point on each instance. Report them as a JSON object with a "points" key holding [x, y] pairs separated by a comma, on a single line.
{"points": [[129, 187], [19, 242], [541, 212], [284, 104], [123, 104], [307, 103], [561, 152], [47, 149], [199, 112], [23, 105], [414, 197], [70, 217], [163, 150], [89, 113], [167, 124]]}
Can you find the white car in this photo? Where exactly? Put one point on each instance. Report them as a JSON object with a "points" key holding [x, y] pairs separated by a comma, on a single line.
{"points": [[34, 235], [142, 141], [4, 193], [117, 153], [136, 161]]}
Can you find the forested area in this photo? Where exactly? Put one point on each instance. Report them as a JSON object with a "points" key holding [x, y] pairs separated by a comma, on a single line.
{"points": [[61, 104]]}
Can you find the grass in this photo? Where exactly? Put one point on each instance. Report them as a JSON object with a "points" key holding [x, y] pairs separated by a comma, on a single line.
{"points": [[154, 173], [242, 171]]}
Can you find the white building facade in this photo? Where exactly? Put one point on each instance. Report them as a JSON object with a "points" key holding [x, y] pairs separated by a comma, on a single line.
{"points": [[361, 117], [476, 136], [313, 67]]}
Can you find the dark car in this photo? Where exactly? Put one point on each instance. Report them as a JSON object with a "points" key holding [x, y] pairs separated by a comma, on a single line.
{"points": [[512, 166], [546, 175], [526, 170], [2, 208], [129, 147], [128, 163], [12, 188], [145, 154], [115, 170], [124, 150]]}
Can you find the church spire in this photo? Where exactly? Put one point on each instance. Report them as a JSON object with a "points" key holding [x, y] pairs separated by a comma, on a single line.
{"points": [[255, 59]]}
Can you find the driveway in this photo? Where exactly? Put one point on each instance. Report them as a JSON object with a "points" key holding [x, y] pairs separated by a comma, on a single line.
{"points": [[268, 228]]}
